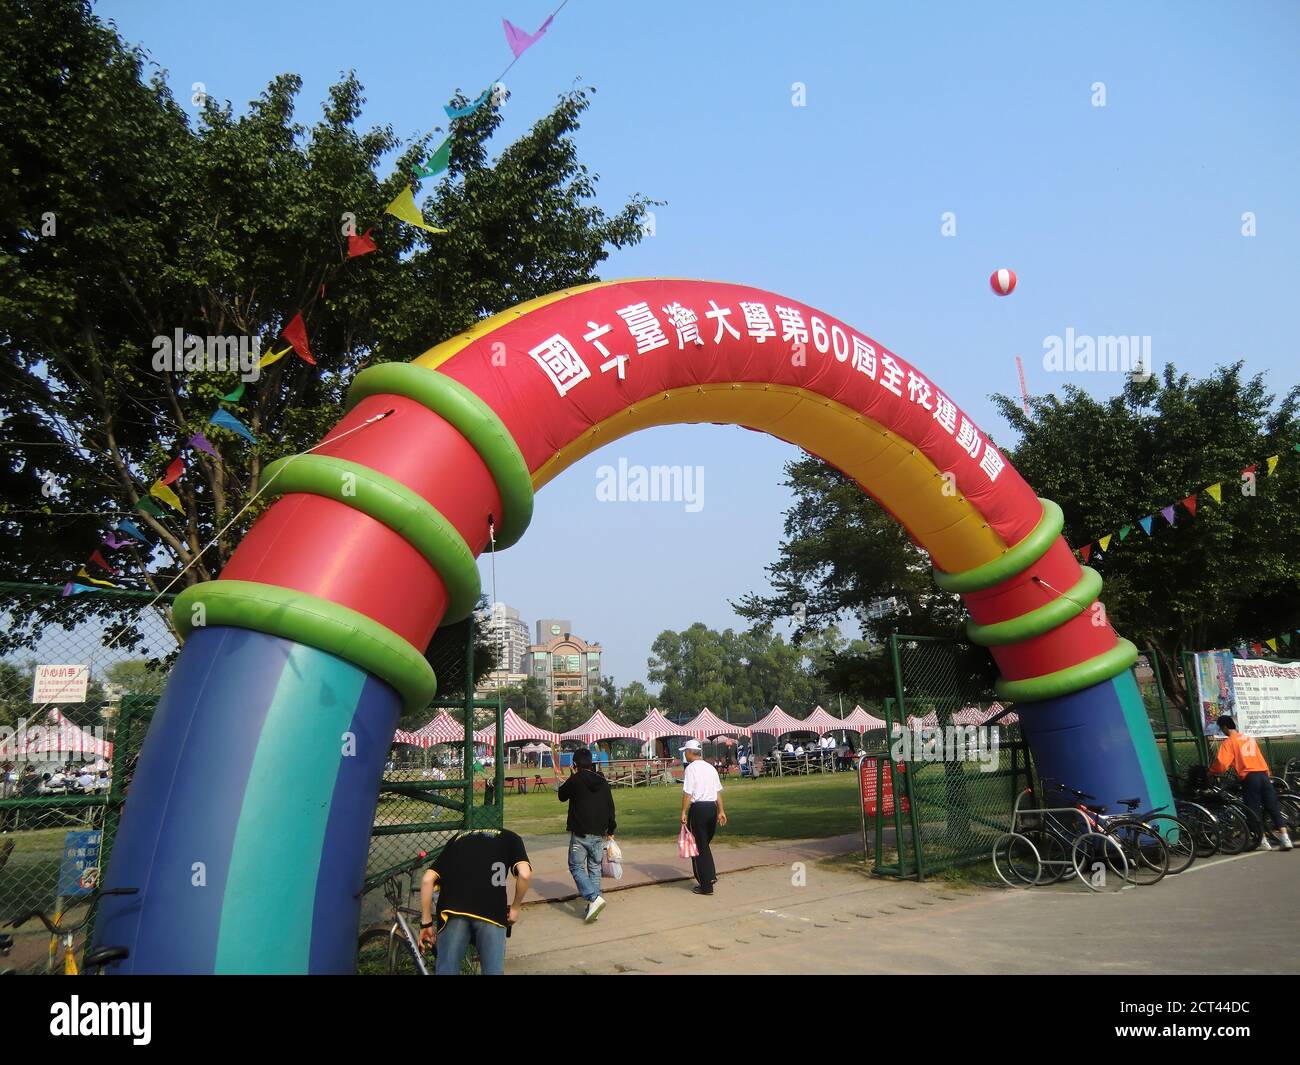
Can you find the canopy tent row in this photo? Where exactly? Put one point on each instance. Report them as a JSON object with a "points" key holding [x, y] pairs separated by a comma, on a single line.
{"points": [[514, 729], [860, 721], [598, 727], [777, 723], [820, 722], [442, 729], [58, 739], [657, 727], [706, 725]]}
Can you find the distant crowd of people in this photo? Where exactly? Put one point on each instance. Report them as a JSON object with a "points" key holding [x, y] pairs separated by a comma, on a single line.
{"points": [[68, 779]]}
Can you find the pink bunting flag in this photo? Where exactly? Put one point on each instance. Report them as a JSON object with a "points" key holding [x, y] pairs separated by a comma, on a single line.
{"points": [[201, 443], [175, 471], [1168, 513], [296, 334], [519, 40]]}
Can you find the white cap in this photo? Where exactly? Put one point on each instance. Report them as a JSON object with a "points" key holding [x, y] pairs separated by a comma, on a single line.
{"points": [[692, 745]]}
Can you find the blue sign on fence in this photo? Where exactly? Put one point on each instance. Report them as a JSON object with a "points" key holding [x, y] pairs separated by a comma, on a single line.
{"points": [[79, 870]]}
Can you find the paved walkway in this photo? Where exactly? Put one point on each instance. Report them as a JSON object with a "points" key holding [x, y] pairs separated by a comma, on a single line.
{"points": [[658, 863], [840, 921]]}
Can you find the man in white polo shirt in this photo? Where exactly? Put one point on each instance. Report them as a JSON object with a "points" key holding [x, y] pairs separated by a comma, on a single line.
{"points": [[702, 812]]}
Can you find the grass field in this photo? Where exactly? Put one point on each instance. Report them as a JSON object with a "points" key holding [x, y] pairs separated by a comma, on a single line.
{"points": [[791, 808]]}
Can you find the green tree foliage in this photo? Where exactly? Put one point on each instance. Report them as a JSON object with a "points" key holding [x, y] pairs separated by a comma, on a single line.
{"points": [[740, 675], [1228, 575], [124, 219]]}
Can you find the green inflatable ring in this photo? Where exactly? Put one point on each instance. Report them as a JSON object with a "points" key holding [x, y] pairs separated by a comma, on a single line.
{"points": [[1015, 560], [1040, 620], [1071, 679]]}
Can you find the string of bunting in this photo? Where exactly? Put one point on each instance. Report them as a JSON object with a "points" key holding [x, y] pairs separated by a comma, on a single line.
{"points": [[1214, 492], [404, 208]]}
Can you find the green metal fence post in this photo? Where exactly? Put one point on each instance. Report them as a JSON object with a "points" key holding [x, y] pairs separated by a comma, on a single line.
{"points": [[469, 725]]}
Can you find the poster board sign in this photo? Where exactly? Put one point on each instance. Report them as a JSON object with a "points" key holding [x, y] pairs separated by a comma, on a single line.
{"points": [[79, 869], [867, 788], [1267, 699], [1214, 685], [60, 683]]}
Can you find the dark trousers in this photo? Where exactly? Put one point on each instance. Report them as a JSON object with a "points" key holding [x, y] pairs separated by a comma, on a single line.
{"points": [[702, 820], [1257, 790]]}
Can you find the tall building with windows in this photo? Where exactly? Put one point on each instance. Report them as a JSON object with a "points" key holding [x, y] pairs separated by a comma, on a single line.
{"points": [[567, 666], [508, 634]]}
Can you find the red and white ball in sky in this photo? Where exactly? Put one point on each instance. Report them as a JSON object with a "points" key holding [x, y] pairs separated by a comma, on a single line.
{"points": [[1003, 282]]}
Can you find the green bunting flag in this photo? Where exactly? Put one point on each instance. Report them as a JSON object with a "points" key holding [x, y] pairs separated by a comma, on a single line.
{"points": [[437, 162], [149, 507]]}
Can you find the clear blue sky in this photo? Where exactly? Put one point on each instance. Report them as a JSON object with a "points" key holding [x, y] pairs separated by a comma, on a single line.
{"points": [[1119, 220]]}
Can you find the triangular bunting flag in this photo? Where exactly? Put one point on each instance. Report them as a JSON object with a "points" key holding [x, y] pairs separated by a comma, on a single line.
{"points": [[469, 109], [1146, 523], [1250, 469], [1086, 551], [113, 543], [161, 491], [1272, 461], [229, 421], [174, 471], [98, 560], [130, 529], [1190, 504], [236, 395], [1215, 492], [1272, 645], [1168, 513], [296, 334], [1257, 648], [1286, 639], [403, 207], [1104, 542], [436, 163], [519, 40], [201, 443], [1124, 531], [268, 359], [72, 588], [103, 584], [150, 507], [361, 245]]}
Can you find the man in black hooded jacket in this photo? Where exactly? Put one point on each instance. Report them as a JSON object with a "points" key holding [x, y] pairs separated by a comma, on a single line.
{"points": [[591, 824]]}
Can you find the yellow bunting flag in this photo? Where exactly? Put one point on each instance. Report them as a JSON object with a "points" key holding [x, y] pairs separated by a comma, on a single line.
{"points": [[1272, 645], [103, 584], [1215, 492], [403, 207], [1273, 460], [268, 359], [1105, 541], [161, 491]]}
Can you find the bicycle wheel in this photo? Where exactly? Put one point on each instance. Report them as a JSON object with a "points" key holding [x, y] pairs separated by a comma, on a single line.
{"points": [[1253, 823], [1144, 850], [1179, 837], [1234, 830], [1099, 862], [372, 951], [1290, 805], [1053, 854], [1016, 861], [401, 955], [1204, 826]]}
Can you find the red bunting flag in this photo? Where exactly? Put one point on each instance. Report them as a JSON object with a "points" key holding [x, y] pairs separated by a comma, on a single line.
{"points": [[361, 245], [1251, 468], [174, 471], [296, 334], [1190, 504], [98, 560], [1086, 551]]}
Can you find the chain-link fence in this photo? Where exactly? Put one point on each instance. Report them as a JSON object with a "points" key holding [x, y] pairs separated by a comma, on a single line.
{"points": [[79, 679], [959, 777]]}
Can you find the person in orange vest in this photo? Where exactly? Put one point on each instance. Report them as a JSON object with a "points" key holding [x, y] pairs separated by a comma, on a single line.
{"points": [[1241, 753]]}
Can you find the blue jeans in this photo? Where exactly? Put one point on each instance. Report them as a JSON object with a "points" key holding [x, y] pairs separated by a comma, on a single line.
{"points": [[585, 855], [454, 939]]}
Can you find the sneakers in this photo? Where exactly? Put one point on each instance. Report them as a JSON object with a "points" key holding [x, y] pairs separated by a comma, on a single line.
{"points": [[1286, 843], [593, 908], [702, 890], [1264, 844]]}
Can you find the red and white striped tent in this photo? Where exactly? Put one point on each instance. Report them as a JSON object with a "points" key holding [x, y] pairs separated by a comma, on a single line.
{"points": [[514, 729], [820, 722], [442, 729], [657, 727], [598, 727], [861, 721], [58, 738], [777, 723], [706, 725], [931, 720]]}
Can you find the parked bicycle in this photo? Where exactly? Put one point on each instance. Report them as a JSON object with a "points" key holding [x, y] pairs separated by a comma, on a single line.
{"points": [[63, 932], [392, 947], [1047, 844]]}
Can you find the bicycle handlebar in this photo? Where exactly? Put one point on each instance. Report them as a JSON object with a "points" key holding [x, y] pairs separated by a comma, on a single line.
{"points": [[66, 929]]}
